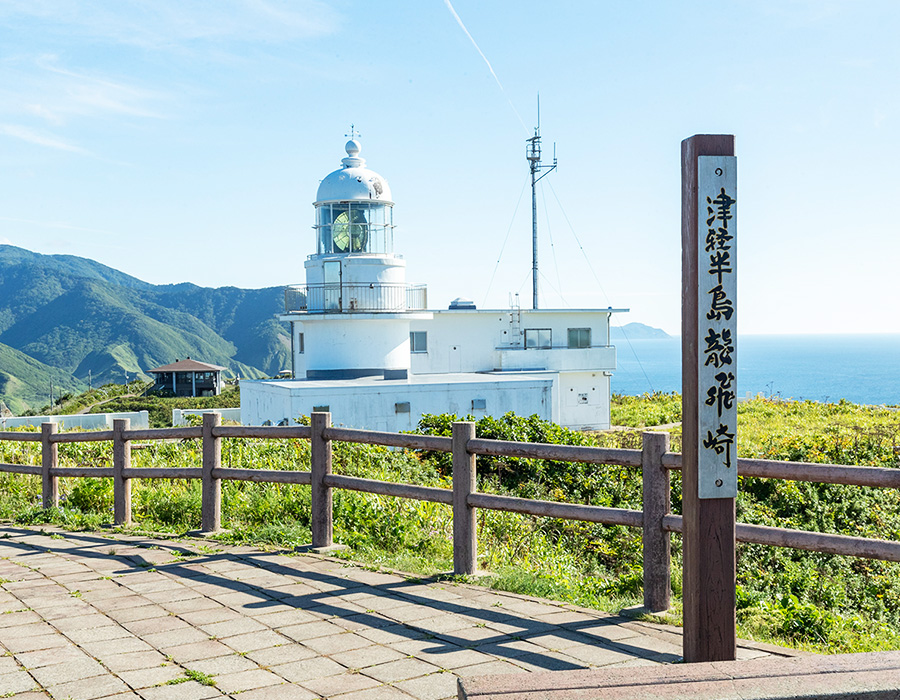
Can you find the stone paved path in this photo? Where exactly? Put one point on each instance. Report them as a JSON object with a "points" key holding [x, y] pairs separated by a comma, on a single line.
{"points": [[90, 615]]}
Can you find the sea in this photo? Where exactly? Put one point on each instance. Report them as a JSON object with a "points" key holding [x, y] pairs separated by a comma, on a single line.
{"points": [[863, 369]]}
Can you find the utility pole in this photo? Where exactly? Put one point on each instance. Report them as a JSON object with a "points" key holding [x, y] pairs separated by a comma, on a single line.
{"points": [[533, 155]]}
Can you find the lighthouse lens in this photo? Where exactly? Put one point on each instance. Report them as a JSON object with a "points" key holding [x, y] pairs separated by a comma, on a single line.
{"points": [[350, 232]]}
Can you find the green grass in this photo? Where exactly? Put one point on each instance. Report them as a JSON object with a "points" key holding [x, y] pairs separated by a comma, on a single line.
{"points": [[807, 600]]}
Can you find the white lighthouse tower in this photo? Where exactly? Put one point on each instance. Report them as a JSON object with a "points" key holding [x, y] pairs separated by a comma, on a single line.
{"points": [[355, 309]]}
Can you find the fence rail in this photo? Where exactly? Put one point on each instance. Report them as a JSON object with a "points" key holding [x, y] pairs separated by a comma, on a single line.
{"points": [[654, 459]]}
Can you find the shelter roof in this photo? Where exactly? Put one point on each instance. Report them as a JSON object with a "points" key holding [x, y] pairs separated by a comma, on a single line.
{"points": [[188, 365]]}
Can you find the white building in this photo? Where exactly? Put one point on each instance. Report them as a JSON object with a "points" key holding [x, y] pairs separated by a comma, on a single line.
{"points": [[365, 347]]}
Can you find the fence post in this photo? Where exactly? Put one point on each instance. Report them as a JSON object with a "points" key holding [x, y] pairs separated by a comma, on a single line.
{"points": [[49, 460], [320, 466], [656, 542], [211, 508], [465, 538], [121, 462]]}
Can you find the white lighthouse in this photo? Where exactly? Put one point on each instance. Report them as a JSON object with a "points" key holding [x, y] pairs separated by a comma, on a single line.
{"points": [[356, 306], [365, 347]]}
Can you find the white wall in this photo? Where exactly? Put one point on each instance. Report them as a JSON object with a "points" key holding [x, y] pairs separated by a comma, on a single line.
{"points": [[84, 421], [485, 340], [179, 414], [584, 400], [373, 405], [348, 342]]}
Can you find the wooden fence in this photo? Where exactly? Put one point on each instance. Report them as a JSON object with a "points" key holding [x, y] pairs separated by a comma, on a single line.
{"points": [[654, 459]]}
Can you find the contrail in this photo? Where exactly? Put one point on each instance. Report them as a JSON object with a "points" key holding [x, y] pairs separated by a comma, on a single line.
{"points": [[490, 67]]}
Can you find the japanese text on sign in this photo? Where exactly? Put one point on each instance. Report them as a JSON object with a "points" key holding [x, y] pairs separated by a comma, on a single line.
{"points": [[717, 326]]}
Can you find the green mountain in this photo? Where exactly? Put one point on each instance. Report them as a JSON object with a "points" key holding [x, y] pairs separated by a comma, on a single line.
{"points": [[67, 319]]}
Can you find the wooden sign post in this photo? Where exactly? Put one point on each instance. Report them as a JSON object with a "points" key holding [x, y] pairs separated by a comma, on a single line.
{"points": [[709, 394]]}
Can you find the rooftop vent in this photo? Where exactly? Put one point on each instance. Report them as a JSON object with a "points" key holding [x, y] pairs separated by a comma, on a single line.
{"points": [[462, 303]]}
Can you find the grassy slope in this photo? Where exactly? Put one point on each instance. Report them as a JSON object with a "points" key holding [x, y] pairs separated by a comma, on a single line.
{"points": [[25, 381]]}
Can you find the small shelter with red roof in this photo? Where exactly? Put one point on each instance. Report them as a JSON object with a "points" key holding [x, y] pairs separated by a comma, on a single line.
{"points": [[188, 378]]}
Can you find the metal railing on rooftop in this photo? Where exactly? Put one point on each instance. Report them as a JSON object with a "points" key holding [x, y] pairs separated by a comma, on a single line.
{"points": [[355, 298]]}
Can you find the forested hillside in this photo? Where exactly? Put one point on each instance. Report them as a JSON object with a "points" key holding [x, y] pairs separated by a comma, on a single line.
{"points": [[65, 319]]}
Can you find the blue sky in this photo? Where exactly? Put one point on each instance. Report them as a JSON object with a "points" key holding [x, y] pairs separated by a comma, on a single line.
{"points": [[184, 141]]}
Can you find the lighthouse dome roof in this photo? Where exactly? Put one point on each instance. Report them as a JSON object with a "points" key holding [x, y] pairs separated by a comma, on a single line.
{"points": [[353, 181]]}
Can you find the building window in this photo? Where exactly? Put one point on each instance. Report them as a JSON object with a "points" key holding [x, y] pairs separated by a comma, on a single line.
{"points": [[418, 341], [538, 338], [300, 348], [579, 337]]}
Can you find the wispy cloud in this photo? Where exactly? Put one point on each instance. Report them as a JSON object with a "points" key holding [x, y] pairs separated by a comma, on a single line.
{"points": [[38, 138], [485, 58], [40, 98], [168, 23]]}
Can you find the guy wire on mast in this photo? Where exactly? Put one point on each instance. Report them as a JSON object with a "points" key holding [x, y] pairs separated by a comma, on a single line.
{"points": [[533, 155]]}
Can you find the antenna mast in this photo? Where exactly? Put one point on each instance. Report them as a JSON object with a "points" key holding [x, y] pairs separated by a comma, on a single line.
{"points": [[533, 155]]}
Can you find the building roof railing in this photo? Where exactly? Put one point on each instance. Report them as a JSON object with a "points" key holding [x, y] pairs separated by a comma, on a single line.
{"points": [[355, 298]]}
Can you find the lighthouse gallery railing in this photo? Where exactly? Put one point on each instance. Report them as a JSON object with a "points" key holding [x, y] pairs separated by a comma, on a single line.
{"points": [[355, 298]]}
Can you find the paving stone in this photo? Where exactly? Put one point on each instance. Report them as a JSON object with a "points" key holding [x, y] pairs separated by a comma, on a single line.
{"points": [[81, 622], [233, 663], [287, 691], [548, 661], [17, 682], [183, 691], [435, 686], [511, 648], [175, 637], [402, 669], [29, 630], [149, 677], [409, 613], [109, 632], [555, 641], [341, 683], [215, 613], [367, 656], [255, 640], [286, 653], [45, 657], [133, 660], [155, 625], [309, 630], [8, 665], [147, 611], [607, 633], [88, 688], [363, 621], [247, 680], [23, 617], [382, 692], [110, 647], [338, 642], [442, 655], [190, 605], [185, 653], [391, 634], [317, 667], [36, 642], [488, 669], [597, 655], [566, 617], [284, 618], [229, 628]]}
